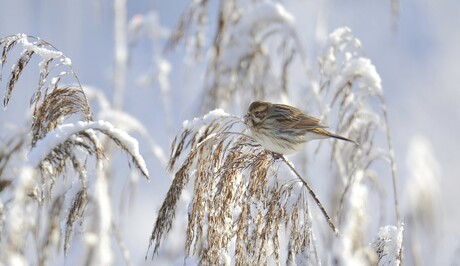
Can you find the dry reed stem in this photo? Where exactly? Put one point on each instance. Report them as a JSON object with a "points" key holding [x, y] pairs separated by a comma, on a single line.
{"points": [[9, 148], [59, 104], [354, 99], [268, 40], [52, 105], [16, 73], [53, 229], [315, 197], [75, 213], [237, 198]]}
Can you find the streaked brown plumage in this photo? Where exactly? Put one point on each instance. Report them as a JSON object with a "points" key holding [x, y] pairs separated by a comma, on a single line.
{"points": [[282, 128]]}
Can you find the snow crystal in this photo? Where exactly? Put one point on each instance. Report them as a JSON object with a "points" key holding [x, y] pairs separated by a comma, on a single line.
{"points": [[66, 61], [62, 132], [129, 142], [362, 68], [200, 121], [54, 80], [341, 36], [45, 53], [337, 36], [337, 41], [388, 244]]}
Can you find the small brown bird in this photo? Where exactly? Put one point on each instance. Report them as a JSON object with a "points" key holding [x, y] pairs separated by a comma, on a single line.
{"points": [[283, 129]]}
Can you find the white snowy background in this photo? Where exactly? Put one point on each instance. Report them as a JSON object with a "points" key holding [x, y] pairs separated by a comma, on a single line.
{"points": [[416, 53]]}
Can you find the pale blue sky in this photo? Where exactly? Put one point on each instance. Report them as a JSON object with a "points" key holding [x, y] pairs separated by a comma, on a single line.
{"points": [[418, 63]]}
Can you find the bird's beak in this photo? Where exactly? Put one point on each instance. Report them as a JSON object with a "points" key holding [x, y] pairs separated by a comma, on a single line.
{"points": [[246, 117]]}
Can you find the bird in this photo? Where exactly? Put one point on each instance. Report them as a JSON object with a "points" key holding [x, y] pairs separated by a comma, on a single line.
{"points": [[283, 129]]}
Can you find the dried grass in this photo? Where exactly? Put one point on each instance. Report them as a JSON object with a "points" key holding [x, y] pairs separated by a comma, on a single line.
{"points": [[57, 105], [52, 229], [75, 213], [8, 43], [357, 98], [238, 199], [260, 47], [53, 104], [243, 197], [16, 73], [8, 148]]}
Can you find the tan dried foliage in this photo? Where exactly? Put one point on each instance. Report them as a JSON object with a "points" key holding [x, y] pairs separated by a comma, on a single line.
{"points": [[75, 213], [238, 201], [255, 73], [8, 149], [53, 104], [57, 105]]}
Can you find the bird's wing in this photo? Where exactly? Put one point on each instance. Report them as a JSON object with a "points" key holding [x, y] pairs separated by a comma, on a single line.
{"points": [[301, 121]]}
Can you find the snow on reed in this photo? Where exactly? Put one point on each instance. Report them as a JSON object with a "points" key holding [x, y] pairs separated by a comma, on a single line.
{"points": [[62, 132]]}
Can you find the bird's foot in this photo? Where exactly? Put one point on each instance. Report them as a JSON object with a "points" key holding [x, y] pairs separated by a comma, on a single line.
{"points": [[276, 156]]}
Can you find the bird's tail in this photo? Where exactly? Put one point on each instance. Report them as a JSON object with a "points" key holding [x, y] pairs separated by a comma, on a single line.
{"points": [[326, 133]]}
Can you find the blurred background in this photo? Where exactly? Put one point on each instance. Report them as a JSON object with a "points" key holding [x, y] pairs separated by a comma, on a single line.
{"points": [[414, 45]]}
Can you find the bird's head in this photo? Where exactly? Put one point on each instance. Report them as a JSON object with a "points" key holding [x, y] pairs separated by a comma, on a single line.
{"points": [[257, 113]]}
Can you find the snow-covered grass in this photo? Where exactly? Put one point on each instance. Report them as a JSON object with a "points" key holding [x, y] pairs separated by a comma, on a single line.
{"points": [[349, 90], [63, 132], [242, 205], [62, 137], [245, 204]]}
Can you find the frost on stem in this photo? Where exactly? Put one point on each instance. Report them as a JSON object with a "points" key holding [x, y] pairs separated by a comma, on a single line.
{"points": [[351, 86], [55, 105], [350, 90], [243, 198], [52, 67], [388, 245], [81, 134]]}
